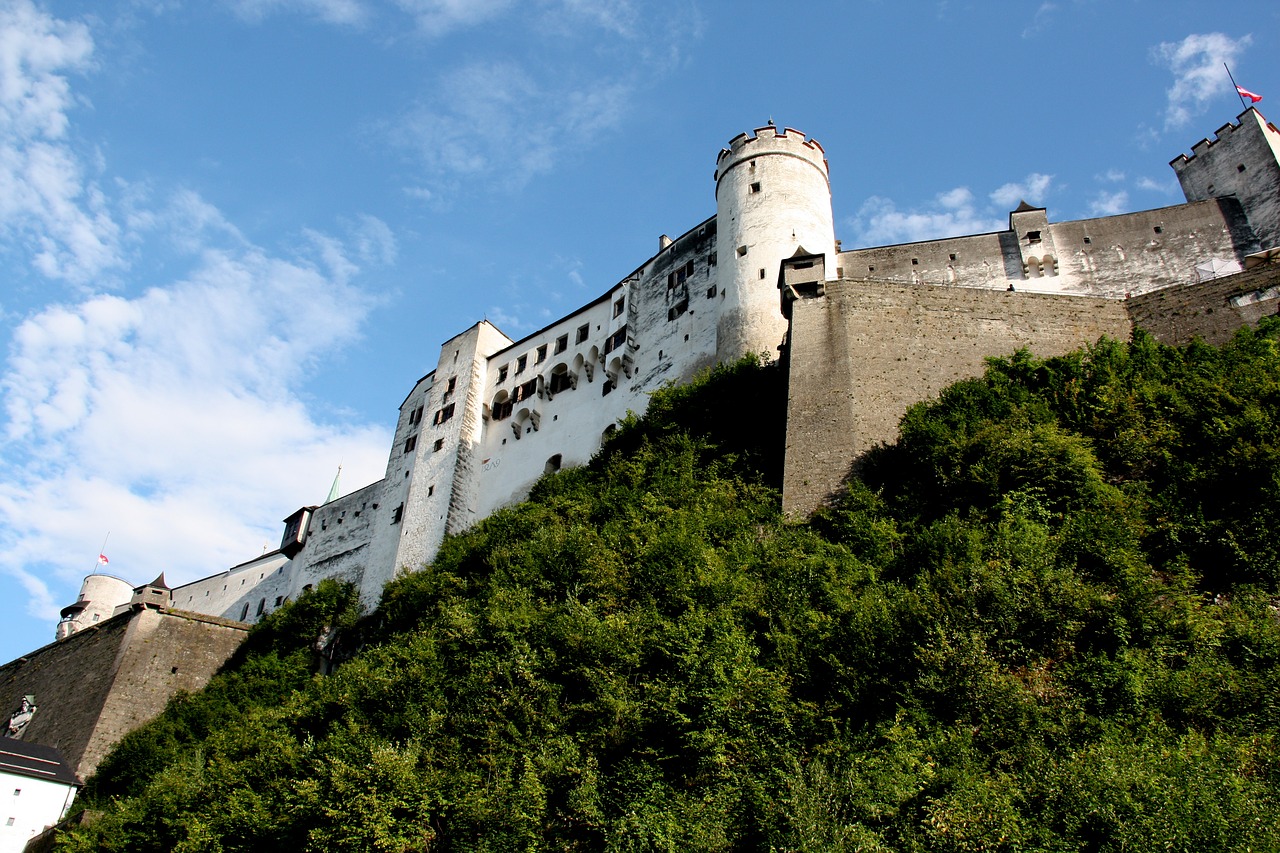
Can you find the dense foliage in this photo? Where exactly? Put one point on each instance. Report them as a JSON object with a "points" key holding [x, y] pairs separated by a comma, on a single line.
{"points": [[1045, 619]]}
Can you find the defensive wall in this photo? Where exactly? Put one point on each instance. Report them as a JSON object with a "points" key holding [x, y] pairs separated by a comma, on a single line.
{"points": [[861, 353], [105, 680]]}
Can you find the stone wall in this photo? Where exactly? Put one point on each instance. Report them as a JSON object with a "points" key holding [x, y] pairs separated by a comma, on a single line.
{"points": [[863, 353], [1212, 310], [101, 683]]}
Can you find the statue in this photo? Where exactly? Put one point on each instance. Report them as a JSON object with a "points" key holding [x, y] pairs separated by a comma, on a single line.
{"points": [[19, 719]]}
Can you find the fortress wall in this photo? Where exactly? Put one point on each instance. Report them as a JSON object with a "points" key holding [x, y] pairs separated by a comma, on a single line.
{"points": [[163, 653], [1212, 310], [71, 681], [1242, 161], [977, 262], [865, 352], [225, 594]]}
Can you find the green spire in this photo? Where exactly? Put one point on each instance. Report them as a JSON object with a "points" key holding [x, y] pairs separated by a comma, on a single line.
{"points": [[333, 490]]}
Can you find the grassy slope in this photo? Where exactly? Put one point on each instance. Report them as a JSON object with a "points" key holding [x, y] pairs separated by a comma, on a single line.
{"points": [[1045, 621]]}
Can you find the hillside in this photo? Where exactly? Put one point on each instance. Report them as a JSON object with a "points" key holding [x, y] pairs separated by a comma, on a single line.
{"points": [[1044, 619]]}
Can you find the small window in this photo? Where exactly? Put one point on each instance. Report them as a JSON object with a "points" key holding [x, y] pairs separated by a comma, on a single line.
{"points": [[606, 387], [616, 340], [1088, 240], [1158, 230], [410, 443], [1240, 168], [742, 250], [871, 268], [762, 273], [502, 374], [542, 354], [1033, 236], [17, 792], [9, 822], [952, 256], [396, 515], [431, 490], [279, 600], [915, 262], [262, 605], [583, 331], [438, 446], [619, 306], [553, 465], [443, 415], [562, 344], [521, 363], [678, 309], [453, 384], [755, 188], [711, 291]]}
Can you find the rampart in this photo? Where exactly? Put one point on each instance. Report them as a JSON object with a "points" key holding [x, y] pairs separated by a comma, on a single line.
{"points": [[104, 681]]}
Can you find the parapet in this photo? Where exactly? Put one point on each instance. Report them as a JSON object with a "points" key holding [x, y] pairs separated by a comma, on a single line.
{"points": [[1222, 134], [770, 140]]}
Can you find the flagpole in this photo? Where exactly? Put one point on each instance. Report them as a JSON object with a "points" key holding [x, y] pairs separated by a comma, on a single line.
{"points": [[1236, 86], [98, 560]]}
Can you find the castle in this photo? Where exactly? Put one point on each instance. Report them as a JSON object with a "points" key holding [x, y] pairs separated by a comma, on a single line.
{"points": [[863, 334]]}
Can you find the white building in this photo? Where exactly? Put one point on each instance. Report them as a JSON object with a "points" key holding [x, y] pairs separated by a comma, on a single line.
{"points": [[36, 790]]}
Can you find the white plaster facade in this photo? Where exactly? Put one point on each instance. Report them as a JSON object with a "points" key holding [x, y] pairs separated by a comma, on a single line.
{"points": [[36, 790], [495, 414]]}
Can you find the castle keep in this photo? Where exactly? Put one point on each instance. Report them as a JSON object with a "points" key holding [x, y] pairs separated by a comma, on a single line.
{"points": [[863, 333]]}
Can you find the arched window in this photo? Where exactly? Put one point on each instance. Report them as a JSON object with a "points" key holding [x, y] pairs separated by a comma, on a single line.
{"points": [[553, 464], [561, 379], [502, 406]]}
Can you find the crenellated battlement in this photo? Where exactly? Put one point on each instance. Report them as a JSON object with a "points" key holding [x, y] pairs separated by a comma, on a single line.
{"points": [[1222, 134], [770, 140]]}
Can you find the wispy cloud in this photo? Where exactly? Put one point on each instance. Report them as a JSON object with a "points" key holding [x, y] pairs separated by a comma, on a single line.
{"points": [[172, 417], [47, 203], [1033, 189], [954, 212], [1109, 203], [438, 17], [1040, 20], [1196, 63]]}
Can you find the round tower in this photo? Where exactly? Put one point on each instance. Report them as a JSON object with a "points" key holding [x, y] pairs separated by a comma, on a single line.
{"points": [[773, 199], [100, 595]]}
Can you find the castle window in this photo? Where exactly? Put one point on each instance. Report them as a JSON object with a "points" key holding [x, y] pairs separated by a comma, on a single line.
{"points": [[562, 344], [762, 273], [561, 380], [678, 309], [871, 268], [453, 383], [262, 605], [952, 256], [244, 614], [711, 259], [742, 250], [431, 490], [521, 363], [553, 465], [1240, 168], [606, 387], [616, 340], [755, 188], [542, 354], [397, 514], [415, 416], [915, 262], [1033, 236], [502, 374], [711, 291], [1158, 230], [1088, 240], [438, 446], [502, 406], [410, 443], [527, 390], [443, 415], [279, 600], [618, 306], [583, 331]]}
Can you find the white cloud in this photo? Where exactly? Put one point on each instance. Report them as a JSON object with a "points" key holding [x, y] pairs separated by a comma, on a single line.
{"points": [[1196, 63], [495, 120], [1040, 21], [1034, 190], [46, 201], [1109, 203], [437, 17], [172, 418], [879, 222], [1167, 187]]}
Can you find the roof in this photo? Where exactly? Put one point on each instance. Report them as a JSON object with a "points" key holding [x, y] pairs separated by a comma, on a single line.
{"points": [[35, 761]]}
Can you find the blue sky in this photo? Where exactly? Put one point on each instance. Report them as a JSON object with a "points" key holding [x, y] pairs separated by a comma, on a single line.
{"points": [[235, 232]]}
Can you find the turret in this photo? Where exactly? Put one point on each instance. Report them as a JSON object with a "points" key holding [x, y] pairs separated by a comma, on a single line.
{"points": [[773, 198], [100, 595]]}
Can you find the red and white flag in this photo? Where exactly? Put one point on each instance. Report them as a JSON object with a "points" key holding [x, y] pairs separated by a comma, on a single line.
{"points": [[102, 560], [1245, 93]]}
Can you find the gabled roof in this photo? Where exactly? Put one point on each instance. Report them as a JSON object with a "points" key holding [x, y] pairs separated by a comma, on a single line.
{"points": [[35, 761]]}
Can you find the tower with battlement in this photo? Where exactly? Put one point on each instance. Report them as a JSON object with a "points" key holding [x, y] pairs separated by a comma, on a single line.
{"points": [[773, 199]]}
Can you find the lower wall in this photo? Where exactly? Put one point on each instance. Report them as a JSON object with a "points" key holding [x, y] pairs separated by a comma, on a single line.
{"points": [[865, 352], [1212, 310], [101, 683]]}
